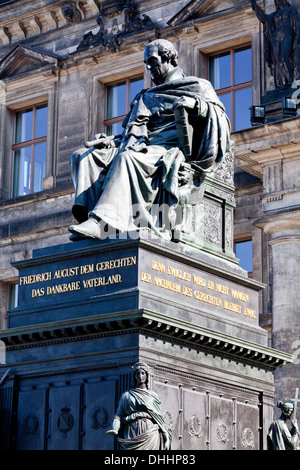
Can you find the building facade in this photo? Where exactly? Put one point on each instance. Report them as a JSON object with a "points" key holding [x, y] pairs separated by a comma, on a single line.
{"points": [[69, 69]]}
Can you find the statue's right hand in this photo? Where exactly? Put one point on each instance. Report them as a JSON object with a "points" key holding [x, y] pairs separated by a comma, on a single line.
{"points": [[295, 424], [100, 136], [112, 432]]}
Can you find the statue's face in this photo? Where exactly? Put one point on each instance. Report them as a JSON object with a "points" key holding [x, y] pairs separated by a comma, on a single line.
{"points": [[279, 4], [140, 376], [157, 65], [287, 409]]}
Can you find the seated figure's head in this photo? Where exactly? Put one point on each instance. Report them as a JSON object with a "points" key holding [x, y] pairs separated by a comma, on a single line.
{"points": [[160, 57]]}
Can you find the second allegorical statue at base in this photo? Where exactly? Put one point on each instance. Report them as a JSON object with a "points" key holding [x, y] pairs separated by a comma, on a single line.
{"points": [[280, 437], [138, 422]]}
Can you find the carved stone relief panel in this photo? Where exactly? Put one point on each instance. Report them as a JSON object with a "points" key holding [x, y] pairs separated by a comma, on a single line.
{"points": [[247, 427], [212, 222], [221, 424], [171, 408], [225, 172], [195, 420], [64, 403], [99, 414], [30, 419], [229, 229]]}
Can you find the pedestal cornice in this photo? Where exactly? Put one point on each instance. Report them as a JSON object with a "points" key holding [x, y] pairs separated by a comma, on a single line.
{"points": [[148, 323], [261, 145]]}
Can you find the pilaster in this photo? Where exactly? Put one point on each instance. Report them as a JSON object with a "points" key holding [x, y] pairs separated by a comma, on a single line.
{"points": [[273, 151]]}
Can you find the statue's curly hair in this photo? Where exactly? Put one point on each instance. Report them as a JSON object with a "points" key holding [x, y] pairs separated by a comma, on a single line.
{"points": [[166, 49]]}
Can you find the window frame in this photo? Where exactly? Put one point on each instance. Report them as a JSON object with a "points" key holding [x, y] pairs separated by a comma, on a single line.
{"points": [[114, 120], [32, 142], [233, 88], [242, 238]]}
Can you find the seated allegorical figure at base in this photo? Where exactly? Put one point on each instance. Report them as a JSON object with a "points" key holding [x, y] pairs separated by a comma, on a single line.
{"points": [[138, 422], [122, 181]]}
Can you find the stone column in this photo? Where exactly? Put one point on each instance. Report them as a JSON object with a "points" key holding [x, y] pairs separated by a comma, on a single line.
{"points": [[284, 233], [281, 222], [272, 152]]}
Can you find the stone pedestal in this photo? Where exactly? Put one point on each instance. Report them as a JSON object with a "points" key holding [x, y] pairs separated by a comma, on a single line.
{"points": [[89, 310]]}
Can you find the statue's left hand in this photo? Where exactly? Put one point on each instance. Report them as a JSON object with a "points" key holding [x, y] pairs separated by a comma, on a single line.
{"points": [[184, 175]]}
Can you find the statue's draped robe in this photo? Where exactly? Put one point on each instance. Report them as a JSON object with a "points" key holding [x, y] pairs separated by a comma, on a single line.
{"points": [[120, 185], [142, 424], [280, 438]]}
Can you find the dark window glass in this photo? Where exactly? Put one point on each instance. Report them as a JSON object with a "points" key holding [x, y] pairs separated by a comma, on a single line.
{"points": [[243, 251], [231, 74], [22, 171], [12, 301], [135, 86], [29, 150], [114, 129], [219, 67], [23, 126], [242, 103], [242, 65], [41, 121], [39, 166], [118, 98], [226, 100]]}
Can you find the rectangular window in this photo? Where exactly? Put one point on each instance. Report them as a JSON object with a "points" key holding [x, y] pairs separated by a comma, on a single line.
{"points": [[12, 299], [230, 73], [29, 150], [243, 251], [118, 98]]}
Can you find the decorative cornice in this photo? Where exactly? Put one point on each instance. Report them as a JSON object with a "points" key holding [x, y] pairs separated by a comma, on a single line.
{"points": [[24, 59], [146, 323], [117, 20], [267, 143], [36, 21], [198, 9], [192, 9]]}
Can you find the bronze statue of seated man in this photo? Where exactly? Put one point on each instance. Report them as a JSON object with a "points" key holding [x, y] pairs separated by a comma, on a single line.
{"points": [[122, 182]]}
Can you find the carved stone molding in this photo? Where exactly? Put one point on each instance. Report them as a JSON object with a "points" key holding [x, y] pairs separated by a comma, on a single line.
{"points": [[146, 323], [71, 12], [248, 438], [41, 21], [65, 422], [100, 419], [31, 426], [117, 19], [222, 433], [24, 60], [195, 427], [225, 172]]}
